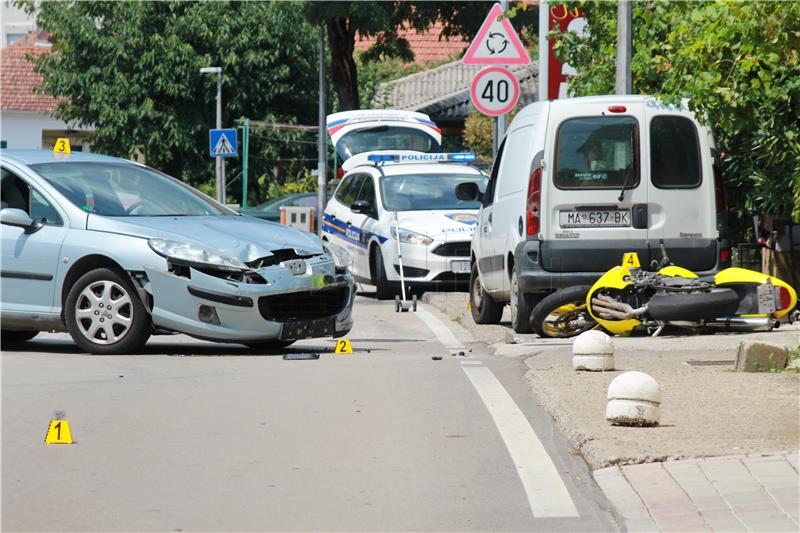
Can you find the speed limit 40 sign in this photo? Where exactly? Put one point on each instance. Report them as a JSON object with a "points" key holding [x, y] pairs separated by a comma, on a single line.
{"points": [[494, 91]]}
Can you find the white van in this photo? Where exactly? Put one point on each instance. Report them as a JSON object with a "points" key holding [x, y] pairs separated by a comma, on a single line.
{"points": [[578, 182]]}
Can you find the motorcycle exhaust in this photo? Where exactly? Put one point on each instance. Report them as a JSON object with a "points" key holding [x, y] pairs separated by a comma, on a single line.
{"points": [[743, 324]]}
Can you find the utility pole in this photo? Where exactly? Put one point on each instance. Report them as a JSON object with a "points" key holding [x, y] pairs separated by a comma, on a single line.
{"points": [[544, 49], [322, 180], [500, 123], [220, 163], [624, 83]]}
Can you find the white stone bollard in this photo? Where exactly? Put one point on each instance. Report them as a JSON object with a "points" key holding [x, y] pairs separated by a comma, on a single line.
{"points": [[634, 399], [593, 350]]}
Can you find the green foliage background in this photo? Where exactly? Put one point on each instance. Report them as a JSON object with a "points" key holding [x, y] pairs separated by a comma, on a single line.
{"points": [[130, 70], [737, 62]]}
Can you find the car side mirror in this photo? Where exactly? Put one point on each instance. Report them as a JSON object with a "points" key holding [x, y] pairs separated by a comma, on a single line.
{"points": [[11, 216], [469, 192], [361, 207]]}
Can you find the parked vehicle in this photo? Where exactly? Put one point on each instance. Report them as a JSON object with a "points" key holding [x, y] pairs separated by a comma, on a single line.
{"points": [[627, 298], [386, 196], [578, 182], [271, 210], [112, 251]]}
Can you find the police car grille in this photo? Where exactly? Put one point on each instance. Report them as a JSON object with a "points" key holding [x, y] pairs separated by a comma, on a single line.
{"points": [[306, 305], [453, 249]]}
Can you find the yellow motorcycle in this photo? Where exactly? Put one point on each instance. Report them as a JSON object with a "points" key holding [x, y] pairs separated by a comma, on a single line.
{"points": [[628, 299]]}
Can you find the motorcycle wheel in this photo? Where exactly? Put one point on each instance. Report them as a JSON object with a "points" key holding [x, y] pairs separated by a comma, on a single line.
{"points": [[563, 313]]}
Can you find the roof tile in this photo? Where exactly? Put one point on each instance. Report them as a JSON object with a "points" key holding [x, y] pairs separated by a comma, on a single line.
{"points": [[18, 79]]}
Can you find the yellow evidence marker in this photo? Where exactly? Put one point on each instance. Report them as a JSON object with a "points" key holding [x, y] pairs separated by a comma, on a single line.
{"points": [[62, 146], [58, 433], [343, 346], [631, 260]]}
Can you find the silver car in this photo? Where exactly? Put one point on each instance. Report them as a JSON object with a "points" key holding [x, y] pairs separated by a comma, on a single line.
{"points": [[112, 251]]}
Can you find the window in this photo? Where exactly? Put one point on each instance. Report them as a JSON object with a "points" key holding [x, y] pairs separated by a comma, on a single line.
{"points": [[384, 137], [597, 153], [416, 192], [17, 194], [347, 191], [488, 197], [674, 153], [367, 193]]}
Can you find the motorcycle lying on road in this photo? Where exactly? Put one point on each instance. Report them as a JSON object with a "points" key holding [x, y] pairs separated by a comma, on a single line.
{"points": [[627, 299]]}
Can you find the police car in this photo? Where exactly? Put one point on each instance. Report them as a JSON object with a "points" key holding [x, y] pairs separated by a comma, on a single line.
{"points": [[390, 201]]}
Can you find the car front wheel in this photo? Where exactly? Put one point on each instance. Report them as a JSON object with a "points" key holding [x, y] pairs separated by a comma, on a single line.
{"points": [[104, 315], [483, 307]]}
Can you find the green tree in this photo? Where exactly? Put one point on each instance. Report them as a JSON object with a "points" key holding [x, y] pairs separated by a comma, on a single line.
{"points": [[382, 20], [738, 64], [131, 71]]}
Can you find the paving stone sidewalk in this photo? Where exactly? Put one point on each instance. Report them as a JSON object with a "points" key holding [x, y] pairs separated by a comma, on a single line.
{"points": [[732, 493]]}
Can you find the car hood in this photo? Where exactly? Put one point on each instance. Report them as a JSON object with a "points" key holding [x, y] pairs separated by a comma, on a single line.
{"points": [[448, 225], [244, 238]]}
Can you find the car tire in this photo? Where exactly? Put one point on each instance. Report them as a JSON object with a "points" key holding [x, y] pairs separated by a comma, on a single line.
{"points": [[269, 346], [571, 300], [483, 307], [13, 338], [383, 289], [104, 314], [521, 306]]}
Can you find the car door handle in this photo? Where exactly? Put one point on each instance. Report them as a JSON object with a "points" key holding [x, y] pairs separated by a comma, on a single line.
{"points": [[349, 224]]}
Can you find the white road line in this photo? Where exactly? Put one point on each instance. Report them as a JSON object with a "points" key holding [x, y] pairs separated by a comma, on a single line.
{"points": [[442, 332], [547, 494], [471, 363]]}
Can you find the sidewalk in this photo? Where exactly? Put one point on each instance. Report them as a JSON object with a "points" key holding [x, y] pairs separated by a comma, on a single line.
{"points": [[734, 493], [725, 455]]}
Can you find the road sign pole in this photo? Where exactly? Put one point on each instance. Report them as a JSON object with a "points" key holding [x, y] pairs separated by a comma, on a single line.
{"points": [[322, 179], [220, 161], [624, 83], [501, 121], [544, 49], [245, 153]]}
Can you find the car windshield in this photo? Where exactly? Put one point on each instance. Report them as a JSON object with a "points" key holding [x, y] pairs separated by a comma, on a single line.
{"points": [[413, 192], [385, 138], [125, 190]]}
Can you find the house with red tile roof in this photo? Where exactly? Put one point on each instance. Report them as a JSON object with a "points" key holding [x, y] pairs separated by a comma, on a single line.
{"points": [[427, 46], [27, 117]]}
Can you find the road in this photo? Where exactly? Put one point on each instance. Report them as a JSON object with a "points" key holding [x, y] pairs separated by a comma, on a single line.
{"points": [[191, 435]]}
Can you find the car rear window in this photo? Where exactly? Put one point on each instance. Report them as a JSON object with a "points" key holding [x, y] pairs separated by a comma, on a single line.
{"points": [[383, 137], [674, 153], [597, 153]]}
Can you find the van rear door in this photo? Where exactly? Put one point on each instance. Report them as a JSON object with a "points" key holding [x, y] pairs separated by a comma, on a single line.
{"points": [[682, 202], [595, 201]]}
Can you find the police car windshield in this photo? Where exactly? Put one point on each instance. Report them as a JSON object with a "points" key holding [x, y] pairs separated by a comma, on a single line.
{"points": [[385, 138], [416, 192]]}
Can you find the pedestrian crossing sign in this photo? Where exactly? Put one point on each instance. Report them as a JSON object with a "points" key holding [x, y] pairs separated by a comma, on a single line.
{"points": [[222, 143]]}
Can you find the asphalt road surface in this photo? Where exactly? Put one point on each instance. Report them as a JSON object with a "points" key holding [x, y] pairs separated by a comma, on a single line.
{"points": [[192, 435]]}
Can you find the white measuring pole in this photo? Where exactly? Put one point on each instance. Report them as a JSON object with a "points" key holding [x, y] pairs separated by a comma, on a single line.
{"points": [[400, 257]]}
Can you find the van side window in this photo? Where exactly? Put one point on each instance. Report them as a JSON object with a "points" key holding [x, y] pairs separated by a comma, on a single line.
{"points": [[674, 153], [513, 178], [597, 153], [488, 196]]}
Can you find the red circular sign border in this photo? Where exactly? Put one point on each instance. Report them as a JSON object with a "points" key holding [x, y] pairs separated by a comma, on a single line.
{"points": [[474, 85]]}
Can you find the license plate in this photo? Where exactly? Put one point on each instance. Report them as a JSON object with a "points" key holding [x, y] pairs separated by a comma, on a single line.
{"points": [[766, 299], [601, 218], [459, 267], [306, 329]]}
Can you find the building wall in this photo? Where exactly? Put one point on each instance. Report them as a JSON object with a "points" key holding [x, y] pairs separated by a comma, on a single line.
{"points": [[15, 22], [24, 129]]}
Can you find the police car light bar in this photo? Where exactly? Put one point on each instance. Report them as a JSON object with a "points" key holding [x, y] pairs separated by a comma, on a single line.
{"points": [[421, 158]]}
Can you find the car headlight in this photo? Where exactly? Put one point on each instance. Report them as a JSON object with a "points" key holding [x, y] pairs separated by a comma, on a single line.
{"points": [[185, 252], [412, 237], [341, 259]]}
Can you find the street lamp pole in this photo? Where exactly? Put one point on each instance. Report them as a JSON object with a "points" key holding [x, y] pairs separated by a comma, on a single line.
{"points": [[220, 162]]}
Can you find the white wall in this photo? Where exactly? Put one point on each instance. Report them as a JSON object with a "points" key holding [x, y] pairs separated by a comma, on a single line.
{"points": [[23, 129], [15, 21]]}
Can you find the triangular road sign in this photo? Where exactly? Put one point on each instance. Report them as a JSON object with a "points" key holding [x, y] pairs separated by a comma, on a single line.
{"points": [[224, 146], [496, 43]]}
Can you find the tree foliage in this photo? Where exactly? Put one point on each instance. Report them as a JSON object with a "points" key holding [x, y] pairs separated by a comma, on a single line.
{"points": [[738, 63], [130, 70], [382, 20]]}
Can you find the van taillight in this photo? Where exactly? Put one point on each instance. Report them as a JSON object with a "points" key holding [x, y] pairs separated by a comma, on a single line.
{"points": [[724, 255], [719, 196], [617, 108], [534, 201]]}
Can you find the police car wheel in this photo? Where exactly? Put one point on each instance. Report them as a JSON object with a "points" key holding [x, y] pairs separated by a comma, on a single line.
{"points": [[383, 290], [483, 307]]}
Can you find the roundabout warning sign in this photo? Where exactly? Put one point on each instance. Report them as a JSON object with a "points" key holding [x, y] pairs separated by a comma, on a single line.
{"points": [[494, 91]]}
